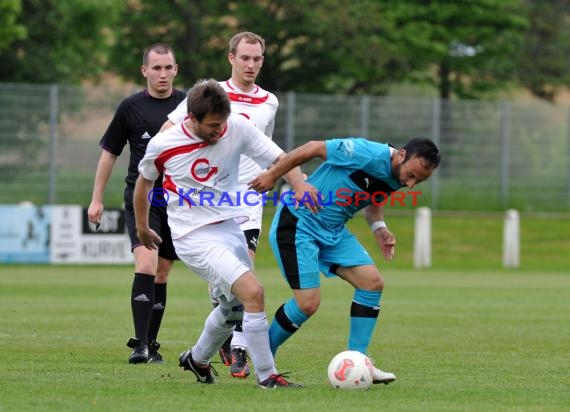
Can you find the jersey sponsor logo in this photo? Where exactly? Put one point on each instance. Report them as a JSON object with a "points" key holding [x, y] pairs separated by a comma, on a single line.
{"points": [[146, 136], [244, 98], [201, 170]]}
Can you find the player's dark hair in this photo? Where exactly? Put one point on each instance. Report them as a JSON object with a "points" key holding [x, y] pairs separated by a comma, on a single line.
{"points": [[423, 148], [208, 97], [248, 37], [158, 48]]}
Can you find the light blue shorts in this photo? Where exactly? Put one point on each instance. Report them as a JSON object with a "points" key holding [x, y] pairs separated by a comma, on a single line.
{"points": [[304, 249]]}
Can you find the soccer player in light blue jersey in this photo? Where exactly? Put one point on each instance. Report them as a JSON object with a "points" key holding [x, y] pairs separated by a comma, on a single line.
{"points": [[357, 174]]}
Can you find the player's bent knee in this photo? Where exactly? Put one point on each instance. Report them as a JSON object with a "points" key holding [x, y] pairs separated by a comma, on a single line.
{"points": [[254, 299], [378, 283], [309, 306], [249, 291], [372, 281]]}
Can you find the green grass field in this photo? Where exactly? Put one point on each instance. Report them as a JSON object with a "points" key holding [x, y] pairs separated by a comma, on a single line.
{"points": [[465, 335], [477, 340]]}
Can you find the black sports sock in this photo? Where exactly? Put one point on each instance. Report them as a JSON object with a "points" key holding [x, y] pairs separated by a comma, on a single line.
{"points": [[238, 327], [142, 298], [157, 311]]}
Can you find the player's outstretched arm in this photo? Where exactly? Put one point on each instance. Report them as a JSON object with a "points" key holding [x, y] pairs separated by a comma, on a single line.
{"points": [[310, 150], [141, 205]]}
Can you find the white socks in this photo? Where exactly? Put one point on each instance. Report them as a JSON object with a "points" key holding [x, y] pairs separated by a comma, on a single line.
{"points": [[256, 332]]}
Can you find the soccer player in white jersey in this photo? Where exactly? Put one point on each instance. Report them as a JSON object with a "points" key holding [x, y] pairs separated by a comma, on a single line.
{"points": [[200, 160], [260, 106]]}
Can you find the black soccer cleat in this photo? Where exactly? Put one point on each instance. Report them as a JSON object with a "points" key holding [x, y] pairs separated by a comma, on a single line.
{"points": [[203, 374], [277, 380], [140, 351], [153, 355], [226, 352], [239, 368]]}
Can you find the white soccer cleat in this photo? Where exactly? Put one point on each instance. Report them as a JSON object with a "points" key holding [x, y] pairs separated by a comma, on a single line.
{"points": [[379, 376]]}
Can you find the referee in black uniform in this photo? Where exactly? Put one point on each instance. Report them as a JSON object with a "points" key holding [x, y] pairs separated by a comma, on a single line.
{"points": [[137, 119]]}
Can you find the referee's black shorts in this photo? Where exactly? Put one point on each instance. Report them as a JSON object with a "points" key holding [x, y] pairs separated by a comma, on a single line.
{"points": [[158, 221]]}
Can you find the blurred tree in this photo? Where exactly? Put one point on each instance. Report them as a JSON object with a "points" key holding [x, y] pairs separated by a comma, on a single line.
{"points": [[10, 29], [196, 30], [312, 45], [469, 48], [544, 67], [66, 41], [330, 46], [464, 49], [288, 29]]}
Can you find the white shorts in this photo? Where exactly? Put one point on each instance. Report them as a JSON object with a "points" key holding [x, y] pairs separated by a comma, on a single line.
{"points": [[255, 214], [217, 253]]}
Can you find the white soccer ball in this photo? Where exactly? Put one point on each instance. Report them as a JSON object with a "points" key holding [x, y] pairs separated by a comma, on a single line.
{"points": [[350, 370]]}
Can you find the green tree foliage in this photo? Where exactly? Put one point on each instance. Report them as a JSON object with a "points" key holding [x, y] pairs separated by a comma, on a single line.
{"points": [[10, 29], [470, 46], [196, 30], [66, 41], [465, 49], [331, 46], [544, 67]]}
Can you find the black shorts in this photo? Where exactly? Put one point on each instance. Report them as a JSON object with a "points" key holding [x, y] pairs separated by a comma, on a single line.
{"points": [[252, 237], [157, 220]]}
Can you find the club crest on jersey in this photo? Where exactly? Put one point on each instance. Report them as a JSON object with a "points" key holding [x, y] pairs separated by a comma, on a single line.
{"points": [[201, 170]]}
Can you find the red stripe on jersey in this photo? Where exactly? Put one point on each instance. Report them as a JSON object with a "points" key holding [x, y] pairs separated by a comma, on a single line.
{"points": [[169, 185], [245, 98], [175, 151]]}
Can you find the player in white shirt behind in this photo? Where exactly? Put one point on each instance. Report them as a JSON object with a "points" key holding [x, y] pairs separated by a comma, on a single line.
{"points": [[260, 106], [200, 160]]}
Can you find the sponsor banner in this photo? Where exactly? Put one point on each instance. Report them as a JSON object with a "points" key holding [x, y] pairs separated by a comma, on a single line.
{"points": [[24, 233], [65, 234], [75, 240]]}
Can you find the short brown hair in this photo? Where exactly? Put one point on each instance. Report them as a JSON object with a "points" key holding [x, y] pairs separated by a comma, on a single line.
{"points": [[207, 97], [158, 48], [248, 37]]}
